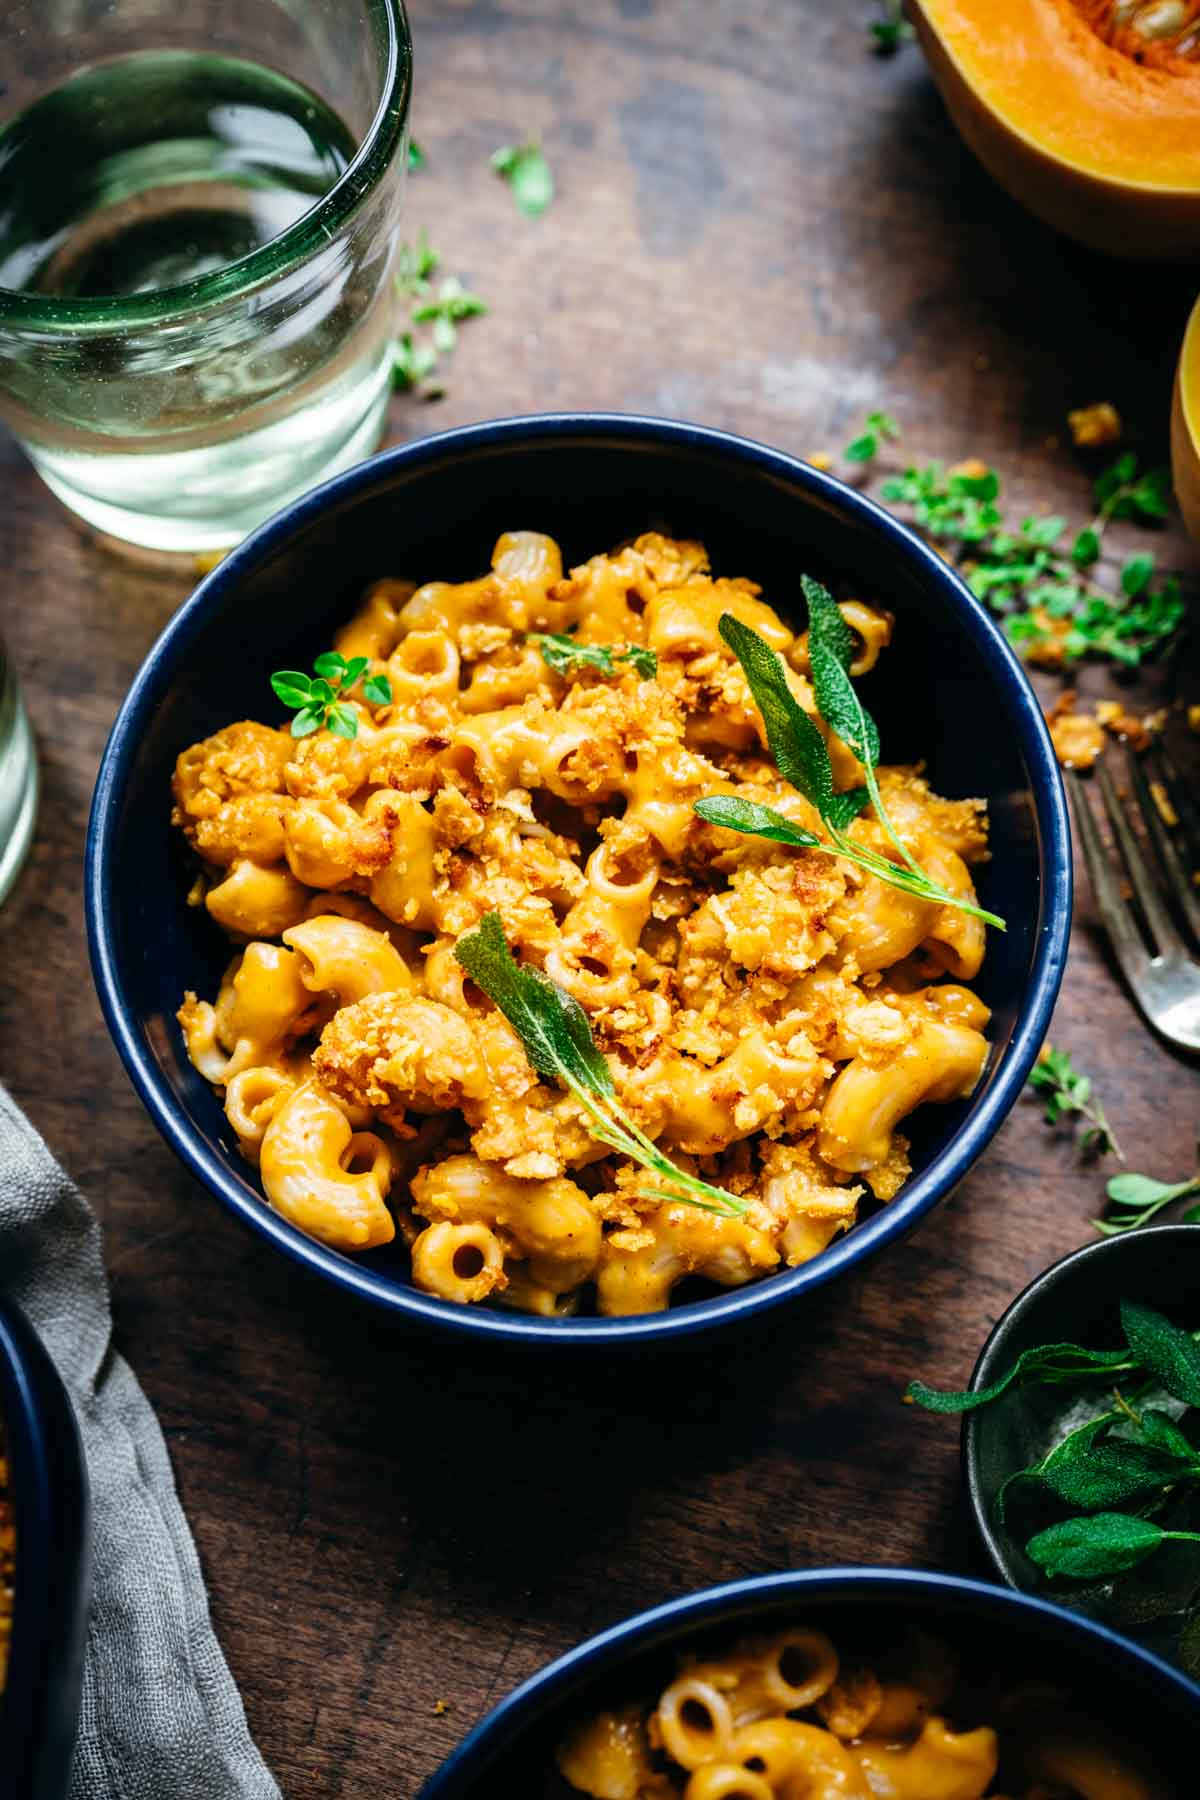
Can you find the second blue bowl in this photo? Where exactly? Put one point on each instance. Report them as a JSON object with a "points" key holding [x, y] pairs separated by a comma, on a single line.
{"points": [[512, 1750], [39, 1709], [951, 693]]}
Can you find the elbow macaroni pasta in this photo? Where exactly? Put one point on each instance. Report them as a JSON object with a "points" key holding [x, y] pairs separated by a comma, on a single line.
{"points": [[771, 1017], [782, 1718]]}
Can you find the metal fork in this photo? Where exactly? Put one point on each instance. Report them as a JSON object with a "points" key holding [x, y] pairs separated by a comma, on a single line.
{"points": [[1163, 974]]}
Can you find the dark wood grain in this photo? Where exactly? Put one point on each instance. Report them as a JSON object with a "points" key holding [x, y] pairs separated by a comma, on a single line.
{"points": [[760, 226]]}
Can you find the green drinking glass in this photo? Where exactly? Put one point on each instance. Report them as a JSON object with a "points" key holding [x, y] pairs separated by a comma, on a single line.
{"points": [[18, 777], [200, 216]]}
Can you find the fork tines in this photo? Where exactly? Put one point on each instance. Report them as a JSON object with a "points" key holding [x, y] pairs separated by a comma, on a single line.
{"points": [[1154, 938]]}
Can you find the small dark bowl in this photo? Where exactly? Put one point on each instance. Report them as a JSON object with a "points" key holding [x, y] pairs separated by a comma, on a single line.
{"points": [[953, 693], [1077, 1301], [511, 1751], [39, 1711]]}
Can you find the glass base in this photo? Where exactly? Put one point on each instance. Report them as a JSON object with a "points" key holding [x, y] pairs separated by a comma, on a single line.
{"points": [[18, 787], [192, 501]]}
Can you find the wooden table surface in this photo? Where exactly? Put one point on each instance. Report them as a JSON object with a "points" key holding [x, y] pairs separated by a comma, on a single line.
{"points": [[759, 225]]}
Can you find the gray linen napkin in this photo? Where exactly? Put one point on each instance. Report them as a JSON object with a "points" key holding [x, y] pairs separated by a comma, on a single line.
{"points": [[161, 1718]]}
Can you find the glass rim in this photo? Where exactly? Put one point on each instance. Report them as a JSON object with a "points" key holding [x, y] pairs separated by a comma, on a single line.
{"points": [[313, 230]]}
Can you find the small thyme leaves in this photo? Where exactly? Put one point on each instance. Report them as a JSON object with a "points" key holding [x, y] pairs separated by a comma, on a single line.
{"points": [[565, 654], [431, 331], [319, 703], [528, 174], [1067, 1090], [877, 430], [1038, 579]]}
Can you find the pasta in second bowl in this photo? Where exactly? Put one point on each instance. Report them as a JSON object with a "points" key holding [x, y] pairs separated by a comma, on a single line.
{"points": [[841, 1684], [529, 747]]}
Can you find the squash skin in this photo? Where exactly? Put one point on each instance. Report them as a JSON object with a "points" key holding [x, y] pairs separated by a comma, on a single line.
{"points": [[1185, 426], [1121, 218]]}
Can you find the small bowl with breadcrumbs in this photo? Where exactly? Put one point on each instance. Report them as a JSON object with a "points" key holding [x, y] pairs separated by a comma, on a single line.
{"points": [[45, 1566]]}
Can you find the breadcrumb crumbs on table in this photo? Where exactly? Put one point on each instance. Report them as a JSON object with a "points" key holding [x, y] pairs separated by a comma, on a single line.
{"points": [[820, 459], [1162, 802], [1131, 730], [1078, 737], [1093, 426], [972, 469], [8, 1540], [440, 1707]]}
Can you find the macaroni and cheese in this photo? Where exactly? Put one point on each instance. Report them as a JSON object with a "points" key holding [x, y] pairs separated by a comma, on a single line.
{"points": [[784, 1717], [770, 1016]]}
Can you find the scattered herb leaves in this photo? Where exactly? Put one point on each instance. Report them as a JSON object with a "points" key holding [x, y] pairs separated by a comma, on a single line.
{"points": [[528, 174], [1052, 609], [319, 703], [557, 1038], [416, 156], [892, 30], [1068, 1091], [415, 353], [802, 757], [1124, 491], [564, 654], [879, 427], [1141, 1199]]}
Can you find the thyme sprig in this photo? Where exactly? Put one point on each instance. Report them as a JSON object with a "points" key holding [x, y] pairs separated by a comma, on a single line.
{"points": [[321, 702], [802, 757], [1067, 1090], [1037, 580], [557, 1038], [416, 353], [565, 654]]}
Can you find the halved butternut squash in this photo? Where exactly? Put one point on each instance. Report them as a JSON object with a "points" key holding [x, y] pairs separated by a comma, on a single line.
{"points": [[1087, 111], [1185, 426]]}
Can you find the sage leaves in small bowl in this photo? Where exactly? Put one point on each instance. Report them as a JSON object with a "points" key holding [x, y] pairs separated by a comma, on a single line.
{"points": [[1083, 1470]]}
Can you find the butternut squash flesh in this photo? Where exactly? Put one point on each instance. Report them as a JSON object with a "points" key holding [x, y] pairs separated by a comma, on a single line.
{"points": [[1086, 111], [1185, 426]]}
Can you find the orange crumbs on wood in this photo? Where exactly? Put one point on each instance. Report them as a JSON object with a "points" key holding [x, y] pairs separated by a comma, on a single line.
{"points": [[1078, 737], [1094, 426]]}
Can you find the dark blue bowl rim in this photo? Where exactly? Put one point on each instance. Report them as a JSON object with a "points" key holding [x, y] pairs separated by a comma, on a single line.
{"points": [[892, 1221], [812, 1587]]}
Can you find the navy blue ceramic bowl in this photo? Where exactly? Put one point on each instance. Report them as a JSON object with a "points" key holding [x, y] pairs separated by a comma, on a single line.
{"points": [[511, 1752], [39, 1710], [952, 692]]}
